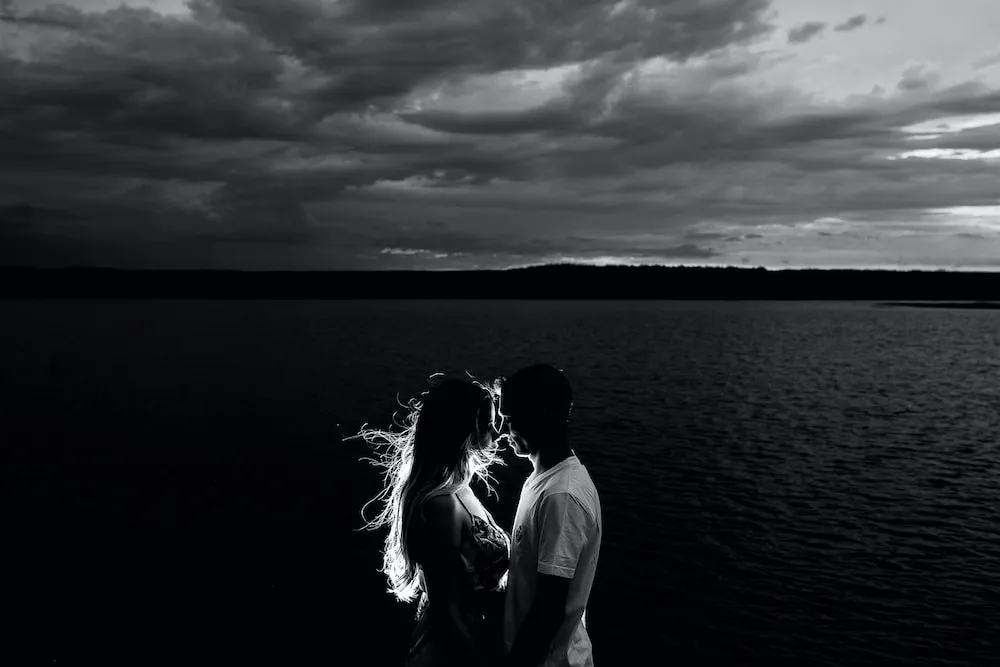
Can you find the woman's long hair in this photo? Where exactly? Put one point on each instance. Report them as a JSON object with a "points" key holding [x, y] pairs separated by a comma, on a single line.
{"points": [[436, 448]]}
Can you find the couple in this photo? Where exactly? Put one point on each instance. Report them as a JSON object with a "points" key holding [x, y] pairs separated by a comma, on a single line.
{"points": [[484, 599]]}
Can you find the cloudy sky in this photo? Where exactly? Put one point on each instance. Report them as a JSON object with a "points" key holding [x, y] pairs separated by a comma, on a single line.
{"points": [[376, 134]]}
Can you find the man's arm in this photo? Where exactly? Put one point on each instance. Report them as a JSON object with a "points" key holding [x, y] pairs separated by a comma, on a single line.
{"points": [[541, 623], [563, 527]]}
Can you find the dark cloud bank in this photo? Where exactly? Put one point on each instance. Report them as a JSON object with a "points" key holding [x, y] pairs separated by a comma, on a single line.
{"points": [[263, 135]]}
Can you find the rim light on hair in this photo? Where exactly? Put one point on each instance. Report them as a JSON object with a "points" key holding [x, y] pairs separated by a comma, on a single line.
{"points": [[406, 485]]}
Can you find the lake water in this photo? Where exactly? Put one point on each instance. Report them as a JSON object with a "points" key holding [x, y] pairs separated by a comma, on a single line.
{"points": [[816, 482]]}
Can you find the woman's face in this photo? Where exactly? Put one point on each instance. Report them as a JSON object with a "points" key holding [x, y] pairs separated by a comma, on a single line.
{"points": [[487, 438]]}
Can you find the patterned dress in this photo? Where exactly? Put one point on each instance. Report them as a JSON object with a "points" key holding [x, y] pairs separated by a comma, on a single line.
{"points": [[486, 555]]}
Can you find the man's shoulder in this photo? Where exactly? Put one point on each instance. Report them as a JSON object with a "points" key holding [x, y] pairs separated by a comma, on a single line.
{"points": [[581, 485], [573, 482], [581, 476], [571, 497]]}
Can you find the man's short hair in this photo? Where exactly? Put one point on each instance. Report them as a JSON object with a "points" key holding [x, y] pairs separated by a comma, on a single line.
{"points": [[538, 399]]}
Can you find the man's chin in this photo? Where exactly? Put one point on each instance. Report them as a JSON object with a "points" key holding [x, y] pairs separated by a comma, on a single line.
{"points": [[518, 451], [515, 447]]}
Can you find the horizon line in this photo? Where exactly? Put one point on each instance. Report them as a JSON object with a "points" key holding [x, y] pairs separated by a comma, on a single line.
{"points": [[552, 265]]}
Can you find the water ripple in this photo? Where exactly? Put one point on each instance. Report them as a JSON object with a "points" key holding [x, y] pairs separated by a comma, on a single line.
{"points": [[811, 483]]}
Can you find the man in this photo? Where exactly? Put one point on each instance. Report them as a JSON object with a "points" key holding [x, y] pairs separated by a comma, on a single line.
{"points": [[556, 536]]}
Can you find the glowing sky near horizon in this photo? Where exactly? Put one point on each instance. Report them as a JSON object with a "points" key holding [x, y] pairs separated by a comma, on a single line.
{"points": [[368, 134]]}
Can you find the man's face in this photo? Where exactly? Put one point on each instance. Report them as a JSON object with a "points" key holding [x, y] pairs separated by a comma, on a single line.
{"points": [[513, 438], [508, 431]]}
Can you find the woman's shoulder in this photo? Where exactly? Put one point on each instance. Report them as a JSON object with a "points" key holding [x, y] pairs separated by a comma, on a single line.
{"points": [[442, 513], [440, 506], [440, 528]]}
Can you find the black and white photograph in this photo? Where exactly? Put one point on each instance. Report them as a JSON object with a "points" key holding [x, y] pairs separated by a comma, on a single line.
{"points": [[500, 333]]}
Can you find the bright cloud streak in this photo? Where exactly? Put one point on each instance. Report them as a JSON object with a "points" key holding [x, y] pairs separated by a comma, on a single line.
{"points": [[992, 212], [941, 126], [949, 154]]}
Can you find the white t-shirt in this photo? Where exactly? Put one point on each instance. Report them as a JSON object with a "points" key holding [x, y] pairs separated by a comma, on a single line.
{"points": [[557, 531]]}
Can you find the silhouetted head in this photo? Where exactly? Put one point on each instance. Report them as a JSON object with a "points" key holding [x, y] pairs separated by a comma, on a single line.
{"points": [[447, 439], [536, 403], [455, 424]]}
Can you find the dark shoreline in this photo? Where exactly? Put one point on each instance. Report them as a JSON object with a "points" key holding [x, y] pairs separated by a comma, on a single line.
{"points": [[546, 282], [974, 305]]}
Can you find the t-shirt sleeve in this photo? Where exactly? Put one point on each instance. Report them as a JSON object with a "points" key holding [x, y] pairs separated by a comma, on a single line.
{"points": [[564, 528]]}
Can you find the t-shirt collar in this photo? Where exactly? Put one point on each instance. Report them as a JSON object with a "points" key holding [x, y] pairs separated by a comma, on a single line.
{"points": [[568, 461]]}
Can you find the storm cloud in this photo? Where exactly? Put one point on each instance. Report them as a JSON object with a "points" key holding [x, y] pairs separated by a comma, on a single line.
{"points": [[803, 33], [852, 23], [314, 134]]}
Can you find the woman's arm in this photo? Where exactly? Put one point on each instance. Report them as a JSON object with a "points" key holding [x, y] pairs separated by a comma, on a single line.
{"points": [[445, 574]]}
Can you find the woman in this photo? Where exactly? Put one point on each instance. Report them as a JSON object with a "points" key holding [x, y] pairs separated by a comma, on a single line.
{"points": [[443, 547]]}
